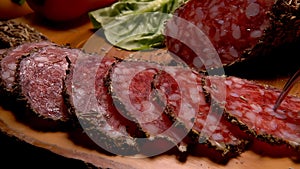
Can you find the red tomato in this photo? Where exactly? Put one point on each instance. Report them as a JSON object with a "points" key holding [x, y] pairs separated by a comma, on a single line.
{"points": [[10, 10], [63, 10]]}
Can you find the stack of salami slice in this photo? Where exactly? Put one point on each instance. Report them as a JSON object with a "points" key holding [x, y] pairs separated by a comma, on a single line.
{"points": [[148, 107], [133, 106]]}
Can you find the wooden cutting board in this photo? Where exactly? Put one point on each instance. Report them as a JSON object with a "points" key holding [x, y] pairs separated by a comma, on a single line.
{"points": [[60, 143]]}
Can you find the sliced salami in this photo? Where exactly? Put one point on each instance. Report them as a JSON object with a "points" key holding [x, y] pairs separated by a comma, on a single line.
{"points": [[40, 81], [236, 29], [94, 107], [186, 99], [250, 105], [10, 61], [132, 89]]}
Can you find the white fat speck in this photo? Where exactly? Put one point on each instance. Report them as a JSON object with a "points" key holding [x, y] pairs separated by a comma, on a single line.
{"points": [[292, 126], [175, 97], [252, 10], [40, 65], [5, 75], [234, 95], [251, 116], [256, 108], [228, 82], [273, 125], [41, 59], [236, 31], [12, 66], [199, 13], [233, 52], [217, 136], [256, 34]]}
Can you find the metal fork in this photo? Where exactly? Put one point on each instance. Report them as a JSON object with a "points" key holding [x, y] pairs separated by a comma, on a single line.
{"points": [[287, 87]]}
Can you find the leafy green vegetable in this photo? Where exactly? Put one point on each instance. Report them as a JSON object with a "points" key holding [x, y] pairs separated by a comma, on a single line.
{"points": [[135, 24], [19, 2]]}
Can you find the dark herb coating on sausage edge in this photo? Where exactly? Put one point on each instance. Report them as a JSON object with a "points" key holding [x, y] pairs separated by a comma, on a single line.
{"points": [[238, 30], [249, 105], [10, 61], [40, 81], [131, 87], [183, 90], [105, 126]]}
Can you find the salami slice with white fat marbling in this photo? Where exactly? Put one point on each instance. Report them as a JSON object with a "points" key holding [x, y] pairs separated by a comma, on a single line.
{"points": [[250, 106], [10, 61], [237, 30], [94, 107], [186, 100], [131, 85], [40, 80]]}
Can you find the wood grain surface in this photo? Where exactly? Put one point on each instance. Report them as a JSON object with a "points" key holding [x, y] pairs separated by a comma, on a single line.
{"points": [[60, 142]]}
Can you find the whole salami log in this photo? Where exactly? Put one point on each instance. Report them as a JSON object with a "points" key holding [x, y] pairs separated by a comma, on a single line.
{"points": [[40, 81], [250, 106], [10, 61], [237, 30], [92, 104]]}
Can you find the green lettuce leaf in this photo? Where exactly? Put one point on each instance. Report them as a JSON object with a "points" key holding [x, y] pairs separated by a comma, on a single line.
{"points": [[135, 24]]}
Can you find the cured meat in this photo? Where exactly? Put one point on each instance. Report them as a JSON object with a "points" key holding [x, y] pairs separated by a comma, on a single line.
{"points": [[13, 34], [131, 85], [10, 61], [235, 30], [40, 81], [95, 109], [185, 97], [250, 106]]}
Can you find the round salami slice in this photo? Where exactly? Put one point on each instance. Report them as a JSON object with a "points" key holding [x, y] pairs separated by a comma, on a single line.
{"points": [[237, 29], [250, 105], [187, 101], [94, 107], [10, 61], [131, 85], [40, 81]]}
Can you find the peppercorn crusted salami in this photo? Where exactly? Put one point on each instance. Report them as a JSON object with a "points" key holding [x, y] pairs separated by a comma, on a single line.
{"points": [[236, 29], [186, 99], [40, 80], [95, 109], [250, 105], [10, 61], [132, 88]]}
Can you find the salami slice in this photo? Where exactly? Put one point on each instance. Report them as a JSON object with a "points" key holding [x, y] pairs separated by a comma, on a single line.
{"points": [[10, 61], [94, 107], [250, 105], [186, 99], [236, 29], [132, 88], [40, 81]]}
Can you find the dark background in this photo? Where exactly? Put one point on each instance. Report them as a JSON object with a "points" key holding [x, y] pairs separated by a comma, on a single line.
{"points": [[15, 154]]}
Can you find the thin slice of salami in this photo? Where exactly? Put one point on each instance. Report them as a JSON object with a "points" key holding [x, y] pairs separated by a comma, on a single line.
{"points": [[187, 102], [94, 107], [250, 106], [236, 29], [131, 85], [40, 81], [10, 61]]}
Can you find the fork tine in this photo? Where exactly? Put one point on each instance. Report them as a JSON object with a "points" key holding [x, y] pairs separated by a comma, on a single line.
{"points": [[287, 87]]}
